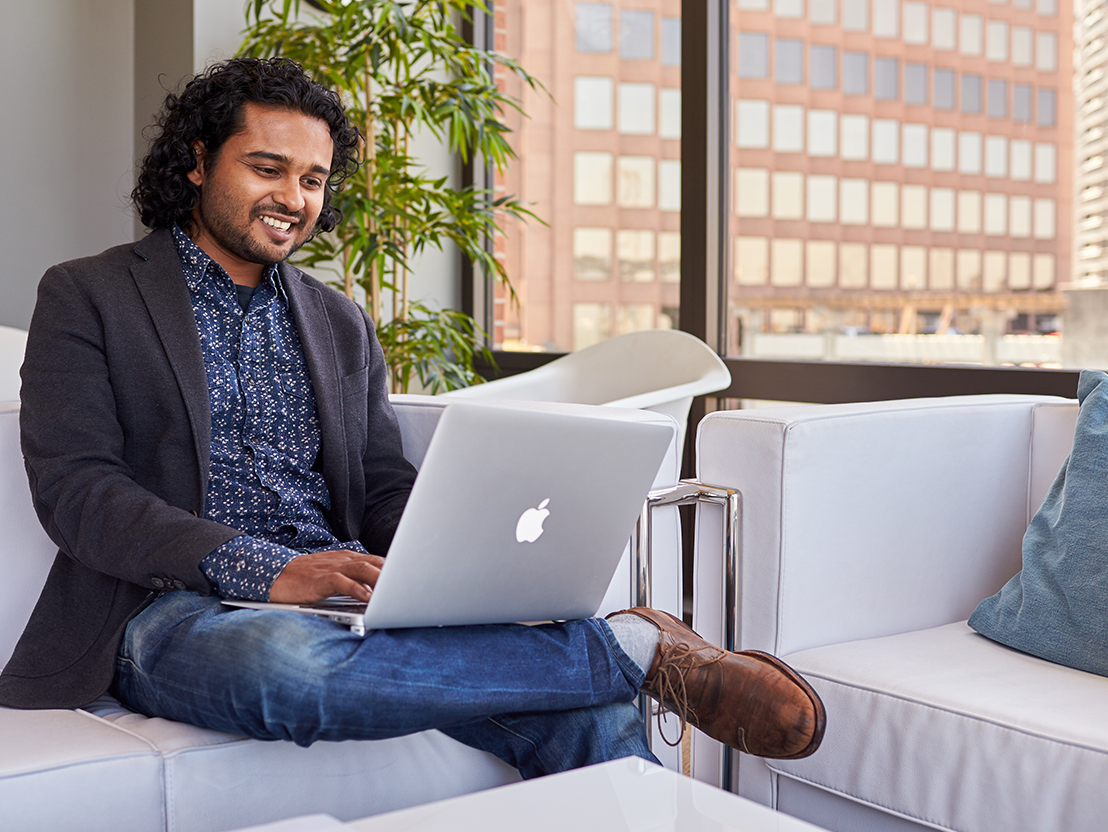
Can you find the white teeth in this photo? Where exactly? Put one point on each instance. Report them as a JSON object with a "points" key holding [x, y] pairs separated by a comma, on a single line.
{"points": [[282, 226]]}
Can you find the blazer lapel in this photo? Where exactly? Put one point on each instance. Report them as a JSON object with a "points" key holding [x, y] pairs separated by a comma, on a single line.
{"points": [[162, 285]]}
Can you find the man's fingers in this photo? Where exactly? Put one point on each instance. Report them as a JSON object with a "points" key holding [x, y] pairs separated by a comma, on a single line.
{"points": [[318, 575]]}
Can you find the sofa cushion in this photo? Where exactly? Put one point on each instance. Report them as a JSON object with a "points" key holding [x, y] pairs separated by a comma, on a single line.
{"points": [[953, 730], [1056, 607], [70, 770]]}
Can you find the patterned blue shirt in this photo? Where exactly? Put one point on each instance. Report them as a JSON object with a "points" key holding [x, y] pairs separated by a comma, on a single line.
{"points": [[265, 431]]}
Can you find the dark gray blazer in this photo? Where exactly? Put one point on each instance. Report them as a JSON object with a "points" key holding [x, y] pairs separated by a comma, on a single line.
{"points": [[116, 434]]}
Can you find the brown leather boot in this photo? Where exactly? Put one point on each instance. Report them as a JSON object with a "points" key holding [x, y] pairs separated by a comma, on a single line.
{"points": [[751, 700]]}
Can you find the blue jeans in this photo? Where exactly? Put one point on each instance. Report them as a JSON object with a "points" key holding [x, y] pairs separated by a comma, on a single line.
{"points": [[544, 699]]}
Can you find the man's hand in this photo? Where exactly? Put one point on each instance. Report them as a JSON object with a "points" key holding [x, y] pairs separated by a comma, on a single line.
{"points": [[318, 575]]}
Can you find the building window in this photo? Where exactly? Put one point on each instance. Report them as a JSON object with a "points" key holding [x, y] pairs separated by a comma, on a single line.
{"points": [[1021, 103], [1021, 160], [854, 202], [915, 83], [823, 72], [970, 41], [943, 26], [636, 109], [753, 55], [592, 253], [854, 131], [786, 262], [669, 113], [1046, 162], [942, 148], [969, 212], [913, 268], [971, 93], [635, 249], [968, 270], [998, 99], [594, 27], [1048, 7], [941, 268], [1045, 108], [669, 185], [855, 73], [671, 41], [996, 215], [822, 198], [944, 89], [788, 128], [856, 16], [820, 261], [751, 261], [915, 145], [915, 22], [1042, 271], [1044, 219], [788, 8], [852, 265], [592, 103], [789, 61], [822, 11], [754, 5], [669, 256], [752, 192], [823, 133], [913, 206], [1021, 45], [884, 271], [1046, 52], [1019, 216], [636, 35], [752, 128], [996, 45], [886, 204], [886, 72], [969, 153], [942, 209], [635, 176], [996, 157], [788, 195], [592, 178], [1019, 270], [886, 141], [994, 276], [886, 18]]}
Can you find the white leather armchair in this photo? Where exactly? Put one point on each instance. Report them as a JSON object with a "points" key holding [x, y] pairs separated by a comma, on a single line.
{"points": [[869, 534], [106, 768]]}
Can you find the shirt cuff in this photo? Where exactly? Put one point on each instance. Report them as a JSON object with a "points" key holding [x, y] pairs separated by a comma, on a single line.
{"points": [[246, 567]]}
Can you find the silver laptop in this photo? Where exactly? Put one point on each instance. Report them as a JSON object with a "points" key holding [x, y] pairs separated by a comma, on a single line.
{"points": [[517, 515]]}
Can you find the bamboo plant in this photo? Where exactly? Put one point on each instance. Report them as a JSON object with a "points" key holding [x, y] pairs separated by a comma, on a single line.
{"points": [[402, 66]]}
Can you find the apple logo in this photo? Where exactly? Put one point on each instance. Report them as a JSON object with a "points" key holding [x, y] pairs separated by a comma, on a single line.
{"points": [[529, 527]]}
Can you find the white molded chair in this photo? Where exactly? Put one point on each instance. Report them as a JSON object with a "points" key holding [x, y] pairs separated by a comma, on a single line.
{"points": [[13, 343], [657, 369]]}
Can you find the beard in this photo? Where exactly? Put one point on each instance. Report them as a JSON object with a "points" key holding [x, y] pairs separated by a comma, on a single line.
{"points": [[219, 219]]}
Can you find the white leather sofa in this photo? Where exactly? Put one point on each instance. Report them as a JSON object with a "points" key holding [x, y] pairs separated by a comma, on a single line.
{"points": [[105, 768], [870, 533]]}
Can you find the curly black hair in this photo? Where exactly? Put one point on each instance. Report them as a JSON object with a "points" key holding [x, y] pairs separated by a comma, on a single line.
{"points": [[211, 109]]}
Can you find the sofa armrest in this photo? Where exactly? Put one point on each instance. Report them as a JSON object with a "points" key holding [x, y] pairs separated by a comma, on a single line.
{"points": [[865, 520]]}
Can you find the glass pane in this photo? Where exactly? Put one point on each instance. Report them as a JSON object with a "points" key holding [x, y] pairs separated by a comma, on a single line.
{"points": [[636, 35], [824, 66], [594, 27], [944, 89], [789, 61], [855, 73]]}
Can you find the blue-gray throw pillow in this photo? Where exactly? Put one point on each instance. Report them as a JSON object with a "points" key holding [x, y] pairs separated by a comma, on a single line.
{"points": [[1057, 606]]}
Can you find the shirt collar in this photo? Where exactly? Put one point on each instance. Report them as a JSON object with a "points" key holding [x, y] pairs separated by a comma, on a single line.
{"points": [[196, 264]]}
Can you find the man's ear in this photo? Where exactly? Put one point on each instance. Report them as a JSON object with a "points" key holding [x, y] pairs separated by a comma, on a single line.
{"points": [[196, 175]]}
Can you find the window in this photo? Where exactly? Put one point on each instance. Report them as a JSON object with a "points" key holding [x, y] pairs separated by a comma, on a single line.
{"points": [[995, 272], [788, 8], [636, 109], [1021, 159], [592, 253], [636, 35], [1048, 7], [942, 148], [886, 204], [671, 41], [915, 83], [753, 55], [820, 261], [824, 67], [823, 133], [971, 34], [752, 192], [996, 157], [1045, 108], [884, 271], [913, 206], [886, 72], [915, 22], [669, 256], [1044, 219], [594, 27], [968, 270], [788, 128], [886, 141], [635, 177], [886, 18], [822, 11], [996, 40], [789, 61], [1046, 52], [788, 195], [854, 202], [822, 198], [752, 127], [592, 178], [669, 185], [915, 145], [943, 24], [592, 103], [1042, 271], [913, 268], [1019, 216], [1019, 270], [855, 73], [856, 16], [635, 317], [754, 5], [971, 93], [592, 323], [786, 259], [1021, 103], [969, 212], [854, 131], [635, 249], [1046, 162], [751, 261], [852, 265], [669, 113], [944, 89], [942, 209], [969, 153], [941, 268], [998, 99], [1021, 45], [996, 215]]}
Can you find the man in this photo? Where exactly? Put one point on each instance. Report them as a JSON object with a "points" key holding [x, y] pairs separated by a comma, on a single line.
{"points": [[202, 420]]}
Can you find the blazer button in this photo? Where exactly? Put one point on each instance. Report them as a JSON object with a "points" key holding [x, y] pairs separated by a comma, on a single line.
{"points": [[179, 585], [158, 583]]}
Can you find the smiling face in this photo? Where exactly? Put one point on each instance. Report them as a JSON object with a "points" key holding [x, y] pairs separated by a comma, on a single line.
{"points": [[260, 199]]}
